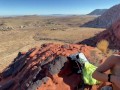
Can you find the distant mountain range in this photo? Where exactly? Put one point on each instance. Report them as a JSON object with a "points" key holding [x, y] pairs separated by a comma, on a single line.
{"points": [[106, 19], [98, 12]]}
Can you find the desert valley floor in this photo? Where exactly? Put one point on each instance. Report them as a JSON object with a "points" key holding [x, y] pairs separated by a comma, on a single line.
{"points": [[24, 32]]}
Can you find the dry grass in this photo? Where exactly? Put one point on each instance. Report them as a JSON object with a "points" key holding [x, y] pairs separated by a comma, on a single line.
{"points": [[103, 46], [69, 35]]}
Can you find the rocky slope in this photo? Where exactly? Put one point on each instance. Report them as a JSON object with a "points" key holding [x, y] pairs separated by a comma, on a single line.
{"points": [[98, 12], [47, 68], [106, 19], [112, 35]]}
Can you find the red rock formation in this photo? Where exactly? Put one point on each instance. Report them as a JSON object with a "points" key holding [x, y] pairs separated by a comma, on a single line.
{"points": [[47, 69], [111, 34], [106, 19]]}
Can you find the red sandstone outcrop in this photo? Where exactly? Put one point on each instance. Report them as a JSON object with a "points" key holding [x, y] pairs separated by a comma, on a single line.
{"points": [[47, 68], [106, 19]]}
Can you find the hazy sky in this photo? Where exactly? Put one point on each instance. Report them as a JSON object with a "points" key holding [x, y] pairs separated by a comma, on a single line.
{"points": [[26, 7]]}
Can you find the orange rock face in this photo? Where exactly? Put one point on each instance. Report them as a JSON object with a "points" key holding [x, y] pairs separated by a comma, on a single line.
{"points": [[46, 69]]}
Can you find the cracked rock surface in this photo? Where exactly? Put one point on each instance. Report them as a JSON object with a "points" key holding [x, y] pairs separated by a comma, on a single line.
{"points": [[47, 69]]}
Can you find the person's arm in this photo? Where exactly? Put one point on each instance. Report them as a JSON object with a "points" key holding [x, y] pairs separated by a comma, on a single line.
{"points": [[108, 64], [99, 72]]}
